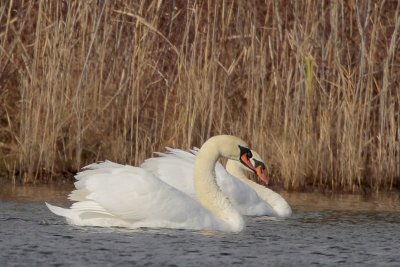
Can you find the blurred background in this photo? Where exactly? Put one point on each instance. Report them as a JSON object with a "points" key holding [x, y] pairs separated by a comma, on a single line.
{"points": [[313, 86]]}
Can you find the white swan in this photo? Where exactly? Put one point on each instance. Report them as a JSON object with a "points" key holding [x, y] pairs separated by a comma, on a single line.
{"points": [[277, 202], [175, 167], [110, 194]]}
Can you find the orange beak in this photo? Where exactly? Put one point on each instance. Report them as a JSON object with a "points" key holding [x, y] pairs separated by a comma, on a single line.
{"points": [[261, 176], [246, 161]]}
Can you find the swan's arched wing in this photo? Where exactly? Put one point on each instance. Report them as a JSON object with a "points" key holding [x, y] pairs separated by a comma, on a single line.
{"points": [[134, 195], [174, 168], [81, 192]]}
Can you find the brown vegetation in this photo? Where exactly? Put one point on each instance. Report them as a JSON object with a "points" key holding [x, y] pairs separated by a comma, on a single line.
{"points": [[312, 85]]}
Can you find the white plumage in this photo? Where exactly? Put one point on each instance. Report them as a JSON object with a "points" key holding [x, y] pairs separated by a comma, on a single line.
{"points": [[175, 167], [109, 194]]}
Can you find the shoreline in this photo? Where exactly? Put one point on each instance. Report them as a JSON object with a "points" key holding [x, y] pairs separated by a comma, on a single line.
{"points": [[9, 187], [304, 201]]}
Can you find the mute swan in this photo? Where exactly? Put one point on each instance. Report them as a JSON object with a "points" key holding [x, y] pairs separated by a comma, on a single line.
{"points": [[175, 167], [110, 194], [276, 201]]}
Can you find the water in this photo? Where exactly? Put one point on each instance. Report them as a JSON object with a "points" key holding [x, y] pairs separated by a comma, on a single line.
{"points": [[324, 230]]}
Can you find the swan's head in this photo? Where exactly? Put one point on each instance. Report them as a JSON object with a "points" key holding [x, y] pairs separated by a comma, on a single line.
{"points": [[260, 171], [245, 156], [259, 168], [234, 148], [257, 162]]}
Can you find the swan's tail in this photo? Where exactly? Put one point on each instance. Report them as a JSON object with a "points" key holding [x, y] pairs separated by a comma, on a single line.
{"points": [[87, 213], [59, 211]]}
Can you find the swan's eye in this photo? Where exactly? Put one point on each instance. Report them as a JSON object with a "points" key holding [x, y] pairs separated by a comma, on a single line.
{"points": [[245, 151], [259, 164], [249, 154]]}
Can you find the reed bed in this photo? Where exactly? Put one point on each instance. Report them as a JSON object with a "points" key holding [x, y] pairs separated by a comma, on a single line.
{"points": [[314, 86]]}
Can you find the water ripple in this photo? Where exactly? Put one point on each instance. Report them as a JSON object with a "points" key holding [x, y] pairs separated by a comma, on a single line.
{"points": [[31, 236]]}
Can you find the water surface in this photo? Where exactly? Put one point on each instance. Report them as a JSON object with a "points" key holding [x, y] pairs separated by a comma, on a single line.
{"points": [[329, 230]]}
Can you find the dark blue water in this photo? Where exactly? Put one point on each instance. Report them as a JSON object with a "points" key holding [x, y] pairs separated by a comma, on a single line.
{"points": [[32, 236]]}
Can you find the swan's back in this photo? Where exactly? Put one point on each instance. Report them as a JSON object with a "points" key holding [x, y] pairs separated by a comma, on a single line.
{"points": [[175, 167]]}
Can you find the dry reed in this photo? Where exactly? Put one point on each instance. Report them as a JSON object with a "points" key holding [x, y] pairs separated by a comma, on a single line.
{"points": [[312, 85]]}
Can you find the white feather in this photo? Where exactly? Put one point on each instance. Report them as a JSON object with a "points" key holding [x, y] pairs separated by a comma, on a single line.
{"points": [[111, 194], [175, 167]]}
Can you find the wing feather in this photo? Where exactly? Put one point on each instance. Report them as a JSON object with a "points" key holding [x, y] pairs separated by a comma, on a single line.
{"points": [[134, 195]]}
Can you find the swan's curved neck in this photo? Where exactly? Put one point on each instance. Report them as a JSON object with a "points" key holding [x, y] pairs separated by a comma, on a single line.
{"points": [[236, 169], [207, 190], [277, 202]]}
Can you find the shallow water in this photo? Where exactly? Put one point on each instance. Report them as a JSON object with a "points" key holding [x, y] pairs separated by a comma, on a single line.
{"points": [[327, 230]]}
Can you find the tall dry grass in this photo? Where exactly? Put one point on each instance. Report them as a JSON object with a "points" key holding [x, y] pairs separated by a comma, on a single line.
{"points": [[312, 85]]}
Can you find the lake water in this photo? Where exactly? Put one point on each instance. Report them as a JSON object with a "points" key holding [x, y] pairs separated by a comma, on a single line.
{"points": [[324, 230]]}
